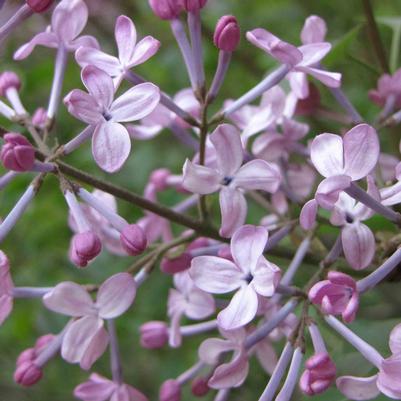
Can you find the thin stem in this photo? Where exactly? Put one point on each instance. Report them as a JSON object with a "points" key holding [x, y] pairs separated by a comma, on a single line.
{"points": [[190, 373], [21, 15], [222, 68], [222, 395], [198, 328], [78, 140], [30, 292], [116, 367], [278, 236], [202, 157], [7, 178], [195, 32], [345, 103], [317, 339]]}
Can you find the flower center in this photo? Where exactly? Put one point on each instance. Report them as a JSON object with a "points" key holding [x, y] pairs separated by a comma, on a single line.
{"points": [[107, 116], [227, 180], [348, 218]]}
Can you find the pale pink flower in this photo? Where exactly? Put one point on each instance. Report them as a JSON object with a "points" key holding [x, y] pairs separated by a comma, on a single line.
{"points": [[341, 160], [68, 21], [229, 178], [86, 338], [130, 52], [338, 295], [111, 142], [387, 85], [250, 274], [234, 373], [6, 288], [186, 300], [98, 388], [386, 381]]}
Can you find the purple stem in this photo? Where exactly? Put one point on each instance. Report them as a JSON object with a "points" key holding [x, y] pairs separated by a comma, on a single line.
{"points": [[271, 80], [17, 211], [360, 195], [266, 328], [380, 273], [190, 373], [278, 236], [30, 292], [79, 139], [222, 67], [76, 211], [21, 15], [334, 252], [141, 277], [116, 368], [317, 339], [222, 395], [388, 107], [345, 103], [41, 167], [57, 86], [183, 43], [368, 352], [6, 111], [115, 220], [195, 32], [186, 204], [278, 373], [7, 178], [289, 385], [198, 328]]}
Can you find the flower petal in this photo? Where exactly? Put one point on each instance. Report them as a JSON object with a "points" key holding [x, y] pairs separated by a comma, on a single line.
{"points": [[200, 179], [307, 218], [234, 209], [358, 245], [99, 85], [329, 190], [199, 305], [266, 355], [314, 30], [47, 39], [95, 349], [395, 339], [111, 146], [125, 34], [215, 275], [327, 154], [90, 56], [361, 151], [144, 50], [313, 53], [266, 277], [330, 79], [258, 174], [95, 390], [210, 350], [83, 107], [358, 388], [241, 309], [247, 245], [227, 142], [116, 295], [69, 299]]}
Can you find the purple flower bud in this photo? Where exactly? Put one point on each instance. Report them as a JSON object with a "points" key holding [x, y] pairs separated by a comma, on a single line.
{"points": [[9, 79], [166, 9], [170, 391], [84, 247], [27, 355], [176, 265], [199, 387], [159, 178], [27, 374], [39, 117], [227, 34], [42, 342], [308, 106], [17, 153], [154, 334], [39, 6], [194, 5], [133, 239]]}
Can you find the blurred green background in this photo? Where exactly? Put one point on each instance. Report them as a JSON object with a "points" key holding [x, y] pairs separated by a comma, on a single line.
{"points": [[38, 246]]}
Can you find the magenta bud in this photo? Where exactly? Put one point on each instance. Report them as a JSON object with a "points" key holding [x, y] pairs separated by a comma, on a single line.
{"points": [[27, 374], [200, 242], [42, 342], [227, 34], [9, 79], [17, 153], [39, 6], [133, 239], [309, 105], [26, 356], [159, 178], [170, 391], [199, 386], [39, 118], [154, 334], [166, 9], [194, 5], [84, 247], [176, 265]]}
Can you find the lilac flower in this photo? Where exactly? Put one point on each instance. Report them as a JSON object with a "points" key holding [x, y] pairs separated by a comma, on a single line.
{"points": [[111, 142], [186, 300], [388, 89], [234, 373], [337, 295], [340, 161], [68, 21], [229, 178], [86, 338], [250, 274], [6, 288], [386, 381], [17, 153], [101, 389], [130, 52], [304, 59]]}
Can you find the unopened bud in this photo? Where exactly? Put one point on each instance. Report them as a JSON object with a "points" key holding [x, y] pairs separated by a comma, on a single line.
{"points": [[176, 265], [17, 153], [154, 334], [9, 79], [199, 387], [159, 178], [227, 34], [133, 239], [170, 391], [27, 355], [166, 9], [39, 118], [194, 5], [27, 374], [84, 247], [39, 6]]}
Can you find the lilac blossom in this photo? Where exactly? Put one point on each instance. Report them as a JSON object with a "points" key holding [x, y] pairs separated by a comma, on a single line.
{"points": [[111, 143], [250, 274], [6, 288]]}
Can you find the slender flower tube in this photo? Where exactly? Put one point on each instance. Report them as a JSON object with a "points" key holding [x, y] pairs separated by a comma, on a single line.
{"points": [[7, 111], [10, 85], [7, 178], [116, 367], [222, 395], [278, 373], [17, 211], [345, 103], [30, 292], [289, 385], [77, 141], [17, 19]]}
